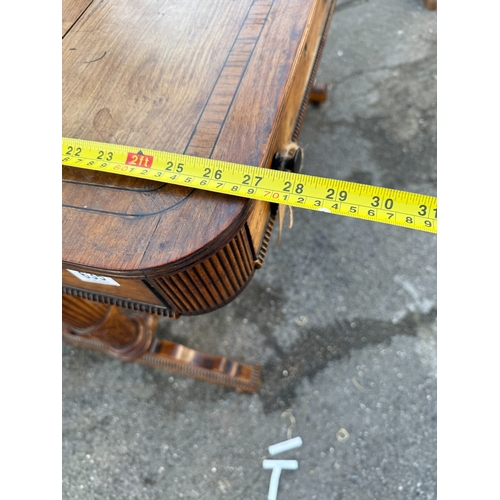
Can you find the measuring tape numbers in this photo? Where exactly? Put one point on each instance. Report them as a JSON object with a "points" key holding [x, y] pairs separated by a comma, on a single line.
{"points": [[361, 201]]}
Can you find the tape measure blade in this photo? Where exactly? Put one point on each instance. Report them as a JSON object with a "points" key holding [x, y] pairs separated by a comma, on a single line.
{"points": [[362, 201]]}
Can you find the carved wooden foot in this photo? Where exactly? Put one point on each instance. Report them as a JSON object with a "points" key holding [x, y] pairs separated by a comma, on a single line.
{"points": [[130, 337], [319, 93], [216, 369], [431, 4]]}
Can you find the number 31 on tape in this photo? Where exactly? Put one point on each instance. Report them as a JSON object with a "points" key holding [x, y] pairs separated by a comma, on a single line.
{"points": [[362, 201]]}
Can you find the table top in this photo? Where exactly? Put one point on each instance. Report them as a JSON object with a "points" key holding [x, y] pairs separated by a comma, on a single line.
{"points": [[212, 78]]}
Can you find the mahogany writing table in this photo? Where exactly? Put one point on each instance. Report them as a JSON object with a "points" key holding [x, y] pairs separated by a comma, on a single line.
{"points": [[219, 79]]}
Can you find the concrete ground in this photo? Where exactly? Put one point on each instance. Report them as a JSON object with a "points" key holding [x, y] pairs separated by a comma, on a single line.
{"points": [[342, 317]]}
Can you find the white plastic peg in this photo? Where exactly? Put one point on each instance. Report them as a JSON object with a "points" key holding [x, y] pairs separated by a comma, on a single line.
{"points": [[277, 466], [290, 444]]}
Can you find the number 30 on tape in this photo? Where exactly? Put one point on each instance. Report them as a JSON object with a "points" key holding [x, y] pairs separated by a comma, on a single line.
{"points": [[361, 201]]}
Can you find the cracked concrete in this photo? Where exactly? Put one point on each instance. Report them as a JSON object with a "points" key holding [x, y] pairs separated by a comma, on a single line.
{"points": [[342, 317]]}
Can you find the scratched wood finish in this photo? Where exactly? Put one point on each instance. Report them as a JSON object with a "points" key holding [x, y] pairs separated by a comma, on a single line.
{"points": [[72, 10], [213, 78]]}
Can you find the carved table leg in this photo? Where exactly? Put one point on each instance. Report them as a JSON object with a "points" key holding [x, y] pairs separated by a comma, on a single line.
{"points": [[106, 328], [130, 337], [431, 4]]}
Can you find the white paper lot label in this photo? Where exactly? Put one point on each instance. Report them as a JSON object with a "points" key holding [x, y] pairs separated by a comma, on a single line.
{"points": [[94, 278]]}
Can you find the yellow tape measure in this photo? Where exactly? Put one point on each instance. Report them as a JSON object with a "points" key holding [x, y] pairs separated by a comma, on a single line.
{"points": [[389, 206]]}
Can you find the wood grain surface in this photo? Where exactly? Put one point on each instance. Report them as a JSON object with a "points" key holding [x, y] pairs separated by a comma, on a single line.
{"points": [[213, 78]]}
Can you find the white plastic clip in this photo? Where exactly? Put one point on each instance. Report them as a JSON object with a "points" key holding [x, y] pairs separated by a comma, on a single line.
{"points": [[278, 465], [290, 444]]}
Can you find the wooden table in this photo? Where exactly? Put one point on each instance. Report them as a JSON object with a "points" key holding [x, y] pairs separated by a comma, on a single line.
{"points": [[219, 79]]}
